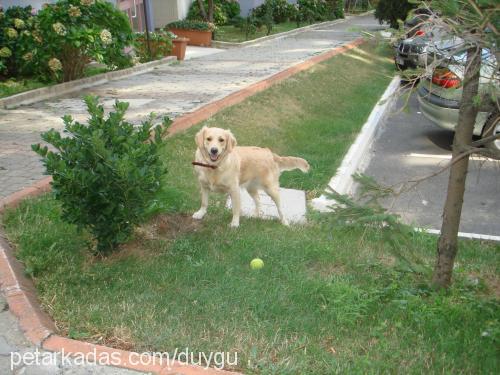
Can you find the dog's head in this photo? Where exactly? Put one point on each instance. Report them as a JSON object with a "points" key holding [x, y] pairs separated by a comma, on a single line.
{"points": [[215, 143]]}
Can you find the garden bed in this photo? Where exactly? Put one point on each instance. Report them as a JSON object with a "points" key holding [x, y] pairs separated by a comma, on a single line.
{"points": [[229, 33], [330, 298]]}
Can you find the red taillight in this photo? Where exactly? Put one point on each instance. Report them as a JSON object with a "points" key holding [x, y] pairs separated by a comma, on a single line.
{"points": [[446, 78], [420, 33]]}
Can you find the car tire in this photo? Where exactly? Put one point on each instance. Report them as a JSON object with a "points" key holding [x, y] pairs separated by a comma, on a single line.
{"points": [[401, 66], [491, 127]]}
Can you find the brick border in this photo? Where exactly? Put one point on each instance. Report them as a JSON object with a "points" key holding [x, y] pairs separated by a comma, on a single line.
{"points": [[20, 291]]}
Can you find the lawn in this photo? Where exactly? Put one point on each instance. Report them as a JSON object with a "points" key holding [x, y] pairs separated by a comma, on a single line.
{"points": [[230, 33], [13, 86], [331, 298]]}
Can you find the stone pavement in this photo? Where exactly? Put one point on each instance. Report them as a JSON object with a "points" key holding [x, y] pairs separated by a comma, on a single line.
{"points": [[13, 346], [167, 90]]}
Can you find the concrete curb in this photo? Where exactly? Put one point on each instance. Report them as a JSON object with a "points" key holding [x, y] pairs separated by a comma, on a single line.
{"points": [[44, 93], [20, 291], [357, 157], [227, 45]]}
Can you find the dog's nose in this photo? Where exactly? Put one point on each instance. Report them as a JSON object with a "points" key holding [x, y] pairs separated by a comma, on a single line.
{"points": [[214, 150]]}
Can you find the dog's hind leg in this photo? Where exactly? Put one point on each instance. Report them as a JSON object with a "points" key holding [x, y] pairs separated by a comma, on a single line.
{"points": [[254, 193], [274, 193]]}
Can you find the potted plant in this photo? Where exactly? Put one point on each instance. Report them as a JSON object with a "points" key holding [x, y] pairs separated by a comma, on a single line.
{"points": [[199, 33], [160, 45], [179, 47]]}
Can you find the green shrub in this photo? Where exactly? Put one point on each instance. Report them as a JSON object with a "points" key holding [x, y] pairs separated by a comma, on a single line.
{"points": [[160, 44], [392, 11], [16, 25], [71, 33], [281, 10], [191, 25], [224, 11], [106, 173]]}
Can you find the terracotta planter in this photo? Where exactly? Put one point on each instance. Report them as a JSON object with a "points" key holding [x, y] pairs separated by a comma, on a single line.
{"points": [[179, 47], [196, 37]]}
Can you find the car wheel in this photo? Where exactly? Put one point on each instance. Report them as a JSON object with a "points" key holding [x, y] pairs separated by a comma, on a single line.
{"points": [[492, 127], [401, 66]]}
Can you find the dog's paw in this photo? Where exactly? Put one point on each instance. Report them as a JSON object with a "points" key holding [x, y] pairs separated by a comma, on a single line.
{"points": [[234, 224], [198, 215], [285, 222]]}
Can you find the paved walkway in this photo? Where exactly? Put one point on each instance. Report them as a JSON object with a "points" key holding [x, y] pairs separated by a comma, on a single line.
{"points": [[168, 90]]}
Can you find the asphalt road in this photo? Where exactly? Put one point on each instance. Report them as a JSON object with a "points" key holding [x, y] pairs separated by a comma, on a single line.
{"points": [[409, 146]]}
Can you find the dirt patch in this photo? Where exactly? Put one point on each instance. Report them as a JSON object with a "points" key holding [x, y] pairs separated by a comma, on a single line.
{"points": [[144, 243]]}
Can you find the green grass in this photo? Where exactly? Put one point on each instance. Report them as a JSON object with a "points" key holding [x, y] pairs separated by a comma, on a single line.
{"points": [[229, 33], [13, 86], [330, 298]]}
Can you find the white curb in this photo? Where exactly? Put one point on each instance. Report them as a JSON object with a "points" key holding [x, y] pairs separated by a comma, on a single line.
{"points": [[471, 236], [358, 156]]}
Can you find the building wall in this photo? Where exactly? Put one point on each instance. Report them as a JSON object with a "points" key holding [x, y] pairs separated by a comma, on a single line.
{"points": [[165, 11]]}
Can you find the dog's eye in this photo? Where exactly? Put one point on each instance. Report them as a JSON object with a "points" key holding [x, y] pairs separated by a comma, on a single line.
{"points": [[209, 139], [221, 140]]}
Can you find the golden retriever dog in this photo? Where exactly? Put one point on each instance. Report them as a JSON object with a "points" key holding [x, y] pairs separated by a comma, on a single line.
{"points": [[223, 167]]}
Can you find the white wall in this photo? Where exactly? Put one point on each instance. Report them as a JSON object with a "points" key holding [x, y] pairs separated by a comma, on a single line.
{"points": [[183, 8]]}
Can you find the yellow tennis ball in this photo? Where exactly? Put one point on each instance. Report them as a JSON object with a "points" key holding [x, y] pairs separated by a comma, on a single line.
{"points": [[256, 264]]}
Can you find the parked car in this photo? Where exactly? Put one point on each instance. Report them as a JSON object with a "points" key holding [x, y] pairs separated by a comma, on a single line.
{"points": [[439, 96], [427, 45]]}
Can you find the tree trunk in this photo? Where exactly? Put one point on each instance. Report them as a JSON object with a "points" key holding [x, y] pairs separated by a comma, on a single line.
{"points": [[202, 10], [211, 11], [448, 241]]}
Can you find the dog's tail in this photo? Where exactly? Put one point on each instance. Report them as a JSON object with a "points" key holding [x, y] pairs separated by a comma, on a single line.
{"points": [[289, 163]]}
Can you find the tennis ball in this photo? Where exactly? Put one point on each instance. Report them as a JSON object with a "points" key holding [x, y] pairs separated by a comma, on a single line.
{"points": [[256, 264]]}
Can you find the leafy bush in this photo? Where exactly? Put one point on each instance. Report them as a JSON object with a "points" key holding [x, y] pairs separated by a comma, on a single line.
{"points": [[224, 11], [69, 33], [281, 10], [16, 24], [105, 173], [160, 43], [191, 25], [313, 10], [392, 11]]}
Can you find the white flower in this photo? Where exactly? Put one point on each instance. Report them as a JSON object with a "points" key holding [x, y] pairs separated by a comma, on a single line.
{"points": [[106, 36], [19, 23], [12, 33], [59, 28], [5, 52], [55, 65]]}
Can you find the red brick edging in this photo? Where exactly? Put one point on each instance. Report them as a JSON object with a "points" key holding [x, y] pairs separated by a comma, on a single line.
{"points": [[20, 291]]}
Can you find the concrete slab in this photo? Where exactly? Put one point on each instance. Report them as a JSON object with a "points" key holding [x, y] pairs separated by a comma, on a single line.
{"points": [[293, 204], [194, 52]]}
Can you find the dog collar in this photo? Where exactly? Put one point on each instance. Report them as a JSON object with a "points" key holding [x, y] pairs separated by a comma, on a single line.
{"points": [[204, 165]]}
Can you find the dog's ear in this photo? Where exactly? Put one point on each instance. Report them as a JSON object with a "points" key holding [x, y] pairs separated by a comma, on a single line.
{"points": [[199, 137], [231, 141]]}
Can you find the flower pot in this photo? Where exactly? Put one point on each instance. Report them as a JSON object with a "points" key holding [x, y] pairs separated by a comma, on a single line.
{"points": [[179, 47], [196, 37]]}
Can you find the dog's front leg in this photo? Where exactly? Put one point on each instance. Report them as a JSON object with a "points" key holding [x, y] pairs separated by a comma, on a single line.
{"points": [[235, 202], [204, 204]]}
